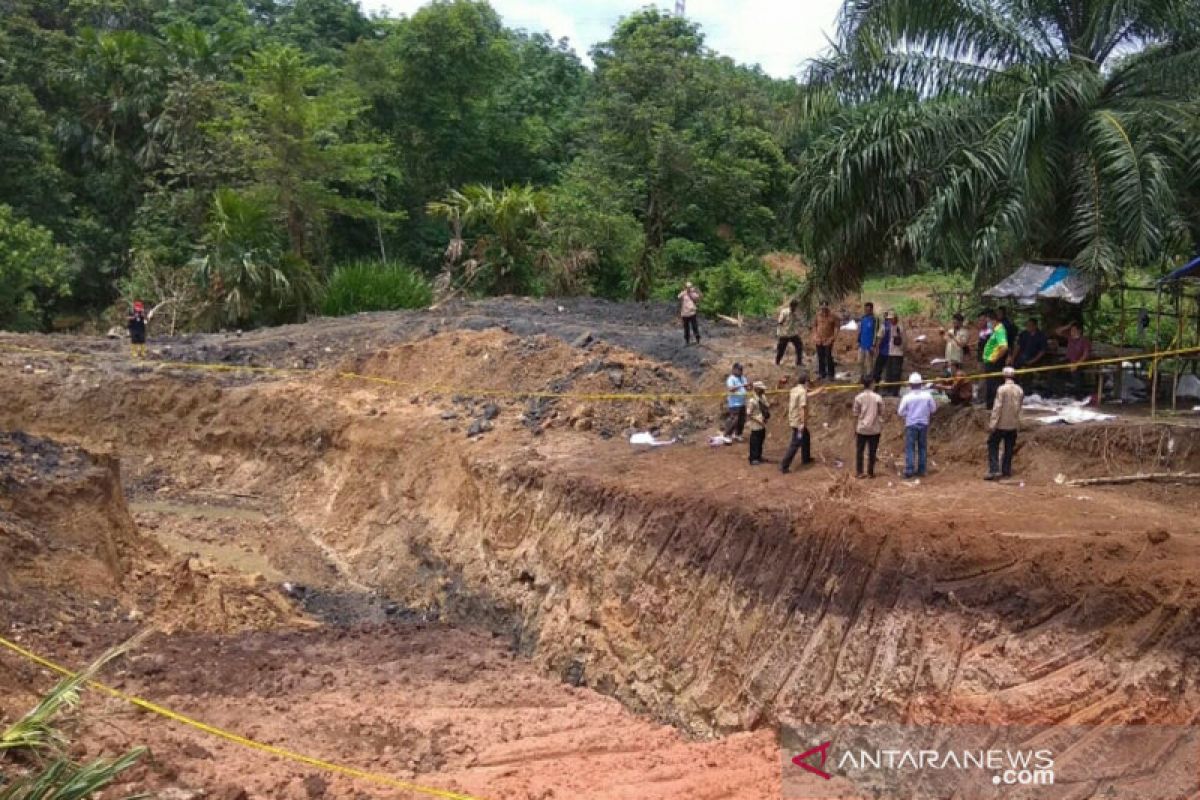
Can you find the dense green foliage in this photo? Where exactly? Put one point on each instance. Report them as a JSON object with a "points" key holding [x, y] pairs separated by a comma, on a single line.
{"points": [[217, 159], [977, 134], [371, 286]]}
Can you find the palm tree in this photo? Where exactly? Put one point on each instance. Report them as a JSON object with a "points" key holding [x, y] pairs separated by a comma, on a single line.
{"points": [[506, 223], [984, 132]]}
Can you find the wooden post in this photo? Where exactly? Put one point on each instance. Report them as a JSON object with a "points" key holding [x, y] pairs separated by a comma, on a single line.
{"points": [[1154, 391], [1178, 344]]}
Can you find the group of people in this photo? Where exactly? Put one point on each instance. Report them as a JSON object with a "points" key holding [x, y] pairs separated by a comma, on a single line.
{"points": [[749, 408], [883, 345]]}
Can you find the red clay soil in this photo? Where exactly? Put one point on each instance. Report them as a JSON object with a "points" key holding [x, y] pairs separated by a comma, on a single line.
{"points": [[681, 582], [447, 708]]}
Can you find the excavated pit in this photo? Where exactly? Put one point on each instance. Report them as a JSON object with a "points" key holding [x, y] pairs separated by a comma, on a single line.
{"points": [[690, 588]]}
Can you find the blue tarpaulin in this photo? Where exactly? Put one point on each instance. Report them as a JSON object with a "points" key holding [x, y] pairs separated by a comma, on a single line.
{"points": [[1188, 270], [1033, 282]]}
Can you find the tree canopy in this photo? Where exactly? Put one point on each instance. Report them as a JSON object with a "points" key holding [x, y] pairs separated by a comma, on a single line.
{"points": [[977, 134], [231, 157]]}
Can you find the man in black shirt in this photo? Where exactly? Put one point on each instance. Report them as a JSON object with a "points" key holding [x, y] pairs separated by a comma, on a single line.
{"points": [[1031, 350], [137, 330]]}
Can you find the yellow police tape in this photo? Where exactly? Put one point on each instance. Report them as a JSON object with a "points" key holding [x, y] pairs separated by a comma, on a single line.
{"points": [[582, 396], [154, 708]]}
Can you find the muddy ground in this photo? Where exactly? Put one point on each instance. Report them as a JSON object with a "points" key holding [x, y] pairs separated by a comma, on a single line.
{"points": [[500, 595]]}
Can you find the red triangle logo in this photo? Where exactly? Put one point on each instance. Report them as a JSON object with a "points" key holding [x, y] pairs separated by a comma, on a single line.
{"points": [[801, 760]]}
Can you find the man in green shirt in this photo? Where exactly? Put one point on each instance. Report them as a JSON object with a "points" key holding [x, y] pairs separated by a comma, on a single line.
{"points": [[995, 355]]}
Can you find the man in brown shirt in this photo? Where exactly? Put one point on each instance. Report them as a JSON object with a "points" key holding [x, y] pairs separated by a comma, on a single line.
{"points": [[758, 414], [798, 420], [1004, 424], [868, 426], [825, 328]]}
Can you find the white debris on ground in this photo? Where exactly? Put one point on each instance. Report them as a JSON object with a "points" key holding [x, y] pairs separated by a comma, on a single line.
{"points": [[647, 438], [1063, 412], [850, 326]]}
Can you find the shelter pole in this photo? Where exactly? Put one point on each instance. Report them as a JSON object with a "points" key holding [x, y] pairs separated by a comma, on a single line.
{"points": [[1178, 343], [1154, 366], [1122, 323]]}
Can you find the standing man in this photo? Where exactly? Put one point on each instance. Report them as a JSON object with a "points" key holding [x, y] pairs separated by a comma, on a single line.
{"points": [[994, 355], [136, 323], [798, 420], [1010, 330], [689, 307], [735, 394], [889, 363], [916, 408], [1031, 347], [1003, 426], [758, 414], [787, 331], [868, 329], [868, 426], [825, 328], [957, 340]]}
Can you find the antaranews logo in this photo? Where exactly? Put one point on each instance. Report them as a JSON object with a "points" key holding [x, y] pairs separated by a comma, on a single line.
{"points": [[801, 760], [985, 762]]}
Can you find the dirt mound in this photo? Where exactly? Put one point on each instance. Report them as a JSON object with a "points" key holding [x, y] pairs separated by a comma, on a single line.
{"points": [[69, 544], [483, 371]]}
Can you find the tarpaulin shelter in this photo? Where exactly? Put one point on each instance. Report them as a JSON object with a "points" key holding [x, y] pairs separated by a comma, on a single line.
{"points": [[1180, 285], [1188, 270], [1034, 282]]}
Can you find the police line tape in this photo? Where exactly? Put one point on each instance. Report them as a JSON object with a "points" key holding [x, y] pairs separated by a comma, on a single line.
{"points": [[583, 396], [220, 733]]}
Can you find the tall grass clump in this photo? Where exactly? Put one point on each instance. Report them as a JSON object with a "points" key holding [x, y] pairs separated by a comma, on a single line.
{"points": [[375, 286]]}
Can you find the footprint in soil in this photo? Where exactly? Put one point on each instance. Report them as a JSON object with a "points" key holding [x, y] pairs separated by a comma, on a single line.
{"points": [[346, 609]]}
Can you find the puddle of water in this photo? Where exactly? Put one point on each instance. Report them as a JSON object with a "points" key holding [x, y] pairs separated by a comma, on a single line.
{"points": [[229, 556]]}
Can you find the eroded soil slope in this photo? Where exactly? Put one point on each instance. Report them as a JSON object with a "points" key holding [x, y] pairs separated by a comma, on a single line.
{"points": [[680, 581]]}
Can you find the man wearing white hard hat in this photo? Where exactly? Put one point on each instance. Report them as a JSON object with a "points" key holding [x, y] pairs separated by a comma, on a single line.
{"points": [[1003, 426], [916, 407]]}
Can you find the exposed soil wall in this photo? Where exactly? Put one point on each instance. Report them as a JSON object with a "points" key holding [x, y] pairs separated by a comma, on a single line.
{"points": [[679, 582]]}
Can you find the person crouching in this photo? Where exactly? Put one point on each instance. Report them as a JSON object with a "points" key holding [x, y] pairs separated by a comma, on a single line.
{"points": [[758, 414]]}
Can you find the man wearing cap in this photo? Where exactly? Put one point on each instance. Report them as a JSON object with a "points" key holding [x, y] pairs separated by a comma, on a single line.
{"points": [[825, 328], [889, 361], [787, 331], [798, 420], [1003, 426], [735, 394], [758, 414], [136, 323], [916, 407], [689, 300]]}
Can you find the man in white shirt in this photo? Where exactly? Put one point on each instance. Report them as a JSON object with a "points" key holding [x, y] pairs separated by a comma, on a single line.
{"points": [[689, 300], [916, 407]]}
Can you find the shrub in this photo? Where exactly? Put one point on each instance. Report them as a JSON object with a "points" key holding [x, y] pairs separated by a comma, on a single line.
{"points": [[909, 307], [34, 272], [375, 286], [743, 285]]}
